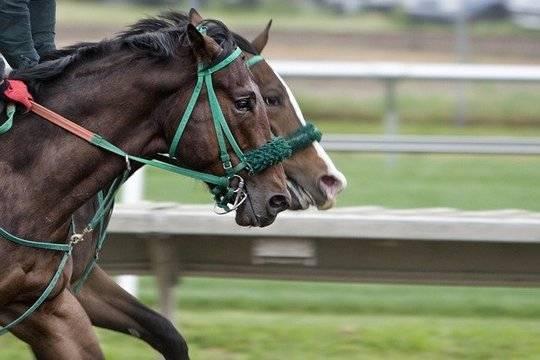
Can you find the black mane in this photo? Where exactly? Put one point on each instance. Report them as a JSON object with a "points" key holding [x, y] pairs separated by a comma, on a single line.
{"points": [[154, 37]]}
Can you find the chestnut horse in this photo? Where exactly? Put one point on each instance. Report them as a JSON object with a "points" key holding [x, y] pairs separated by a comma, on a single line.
{"points": [[131, 90], [312, 179]]}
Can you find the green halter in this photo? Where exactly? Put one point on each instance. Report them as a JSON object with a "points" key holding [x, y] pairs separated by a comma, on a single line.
{"points": [[254, 60]]}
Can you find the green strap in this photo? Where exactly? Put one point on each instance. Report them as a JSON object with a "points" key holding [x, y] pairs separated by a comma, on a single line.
{"points": [[220, 124], [34, 244], [209, 178], [186, 116], [255, 59], [102, 233], [10, 113], [223, 63], [218, 117], [43, 297], [107, 202]]}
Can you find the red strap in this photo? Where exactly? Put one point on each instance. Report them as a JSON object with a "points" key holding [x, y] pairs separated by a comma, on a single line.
{"points": [[17, 92], [61, 121]]}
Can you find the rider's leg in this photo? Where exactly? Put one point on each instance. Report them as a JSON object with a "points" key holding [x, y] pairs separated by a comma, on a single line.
{"points": [[43, 20], [16, 42]]}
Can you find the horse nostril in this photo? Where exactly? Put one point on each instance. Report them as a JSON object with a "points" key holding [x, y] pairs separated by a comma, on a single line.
{"points": [[279, 203], [330, 185], [329, 180]]}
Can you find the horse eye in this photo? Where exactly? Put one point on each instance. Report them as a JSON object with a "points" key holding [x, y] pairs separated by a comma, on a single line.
{"points": [[272, 101], [243, 104]]}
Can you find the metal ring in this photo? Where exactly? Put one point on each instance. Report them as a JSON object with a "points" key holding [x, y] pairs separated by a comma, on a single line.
{"points": [[128, 163]]}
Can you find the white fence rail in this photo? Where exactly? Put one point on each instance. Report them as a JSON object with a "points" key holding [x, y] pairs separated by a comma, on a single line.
{"points": [[438, 246], [393, 71], [432, 144]]}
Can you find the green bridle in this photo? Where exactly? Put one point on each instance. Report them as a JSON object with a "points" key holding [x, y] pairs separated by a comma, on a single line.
{"points": [[269, 154]]}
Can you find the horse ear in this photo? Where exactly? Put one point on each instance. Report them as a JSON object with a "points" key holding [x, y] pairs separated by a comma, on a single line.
{"points": [[204, 47], [260, 41], [194, 17]]}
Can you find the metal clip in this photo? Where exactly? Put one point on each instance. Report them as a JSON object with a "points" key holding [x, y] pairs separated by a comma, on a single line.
{"points": [[241, 196], [128, 163], [77, 238]]}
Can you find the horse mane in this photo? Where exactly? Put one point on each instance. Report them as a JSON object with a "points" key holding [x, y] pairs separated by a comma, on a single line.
{"points": [[154, 37]]}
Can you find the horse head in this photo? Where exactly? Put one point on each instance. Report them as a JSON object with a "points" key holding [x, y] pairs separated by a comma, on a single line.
{"points": [[147, 81], [312, 177]]}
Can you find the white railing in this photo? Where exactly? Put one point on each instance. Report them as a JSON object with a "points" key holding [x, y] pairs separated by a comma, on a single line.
{"points": [[394, 71], [423, 144]]}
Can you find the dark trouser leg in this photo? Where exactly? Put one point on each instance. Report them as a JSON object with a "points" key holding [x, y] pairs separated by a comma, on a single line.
{"points": [[16, 42], [43, 20]]}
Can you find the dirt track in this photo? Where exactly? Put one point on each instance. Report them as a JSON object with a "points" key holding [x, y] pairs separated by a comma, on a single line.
{"points": [[390, 46]]}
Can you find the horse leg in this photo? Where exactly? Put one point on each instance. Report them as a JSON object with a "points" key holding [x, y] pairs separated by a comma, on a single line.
{"points": [[110, 307], [59, 330]]}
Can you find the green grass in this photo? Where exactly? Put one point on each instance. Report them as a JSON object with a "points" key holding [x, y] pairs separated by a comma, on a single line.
{"points": [[253, 319]]}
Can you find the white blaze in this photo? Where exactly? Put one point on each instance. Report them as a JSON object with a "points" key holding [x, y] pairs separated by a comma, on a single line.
{"points": [[332, 170]]}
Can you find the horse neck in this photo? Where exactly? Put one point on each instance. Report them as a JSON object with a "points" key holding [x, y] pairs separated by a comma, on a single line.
{"points": [[47, 174]]}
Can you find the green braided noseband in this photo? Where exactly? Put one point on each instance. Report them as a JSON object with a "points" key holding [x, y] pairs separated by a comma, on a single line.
{"points": [[303, 137], [269, 154], [280, 149]]}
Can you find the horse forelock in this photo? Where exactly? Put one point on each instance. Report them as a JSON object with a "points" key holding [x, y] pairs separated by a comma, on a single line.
{"points": [[156, 38]]}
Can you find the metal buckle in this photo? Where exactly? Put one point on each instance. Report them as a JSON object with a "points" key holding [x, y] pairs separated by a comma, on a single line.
{"points": [[227, 165], [241, 196]]}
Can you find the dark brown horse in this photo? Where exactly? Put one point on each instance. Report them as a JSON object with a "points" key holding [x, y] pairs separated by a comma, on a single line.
{"points": [[131, 90], [311, 176]]}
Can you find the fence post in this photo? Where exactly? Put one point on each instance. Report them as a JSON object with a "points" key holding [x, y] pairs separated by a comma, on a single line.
{"points": [[132, 193], [391, 116], [165, 265]]}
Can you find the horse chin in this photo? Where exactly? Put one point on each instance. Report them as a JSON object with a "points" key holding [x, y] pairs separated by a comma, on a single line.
{"points": [[330, 203], [246, 217], [301, 198]]}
